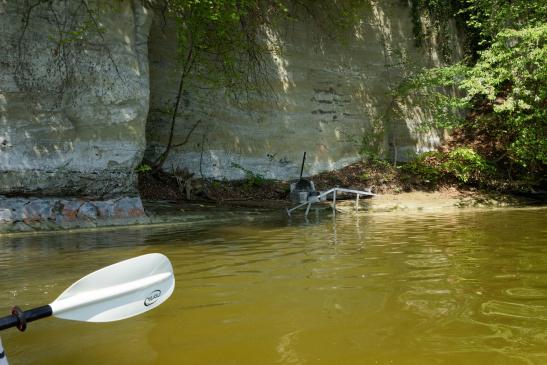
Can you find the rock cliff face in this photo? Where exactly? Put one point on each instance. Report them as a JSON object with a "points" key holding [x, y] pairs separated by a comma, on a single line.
{"points": [[331, 97], [74, 96]]}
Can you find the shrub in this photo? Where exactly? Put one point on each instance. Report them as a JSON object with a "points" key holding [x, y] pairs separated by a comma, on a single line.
{"points": [[426, 167], [462, 164], [251, 179], [466, 165]]}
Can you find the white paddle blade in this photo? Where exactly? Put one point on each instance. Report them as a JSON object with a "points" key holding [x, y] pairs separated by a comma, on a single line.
{"points": [[118, 291]]}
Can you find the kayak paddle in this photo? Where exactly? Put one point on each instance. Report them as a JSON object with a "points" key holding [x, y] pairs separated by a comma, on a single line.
{"points": [[115, 292]]}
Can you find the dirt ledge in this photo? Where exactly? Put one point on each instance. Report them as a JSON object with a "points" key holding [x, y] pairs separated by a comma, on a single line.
{"points": [[445, 200]]}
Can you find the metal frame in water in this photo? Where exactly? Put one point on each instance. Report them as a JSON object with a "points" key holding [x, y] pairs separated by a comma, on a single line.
{"points": [[322, 196]]}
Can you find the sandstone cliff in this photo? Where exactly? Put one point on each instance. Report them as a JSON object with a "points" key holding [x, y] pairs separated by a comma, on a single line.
{"points": [[330, 96], [74, 96]]}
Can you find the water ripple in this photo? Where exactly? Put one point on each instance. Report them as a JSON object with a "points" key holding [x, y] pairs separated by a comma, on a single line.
{"points": [[445, 288]]}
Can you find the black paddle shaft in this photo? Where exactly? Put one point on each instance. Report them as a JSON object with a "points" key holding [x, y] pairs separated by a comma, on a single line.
{"points": [[19, 319]]}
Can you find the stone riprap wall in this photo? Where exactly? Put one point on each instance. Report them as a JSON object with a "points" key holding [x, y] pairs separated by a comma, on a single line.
{"points": [[74, 92], [29, 214], [330, 94]]}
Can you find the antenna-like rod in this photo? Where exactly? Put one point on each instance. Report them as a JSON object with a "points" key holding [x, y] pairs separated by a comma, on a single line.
{"points": [[302, 168]]}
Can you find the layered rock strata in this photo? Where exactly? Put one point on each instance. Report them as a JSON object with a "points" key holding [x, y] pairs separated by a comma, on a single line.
{"points": [[74, 91], [331, 96]]}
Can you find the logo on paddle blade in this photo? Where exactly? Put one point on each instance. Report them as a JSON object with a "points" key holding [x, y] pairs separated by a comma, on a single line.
{"points": [[152, 298]]}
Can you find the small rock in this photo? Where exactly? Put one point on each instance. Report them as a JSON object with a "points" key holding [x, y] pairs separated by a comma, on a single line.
{"points": [[105, 208], [88, 210], [70, 209], [37, 210], [128, 208], [6, 216]]}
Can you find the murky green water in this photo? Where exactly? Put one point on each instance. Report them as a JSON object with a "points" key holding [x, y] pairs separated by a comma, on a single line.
{"points": [[461, 288]]}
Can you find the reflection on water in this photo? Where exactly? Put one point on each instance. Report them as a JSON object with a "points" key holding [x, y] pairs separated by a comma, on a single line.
{"points": [[385, 289]]}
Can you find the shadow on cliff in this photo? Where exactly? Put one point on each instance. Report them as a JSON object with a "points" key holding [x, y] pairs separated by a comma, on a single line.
{"points": [[333, 97]]}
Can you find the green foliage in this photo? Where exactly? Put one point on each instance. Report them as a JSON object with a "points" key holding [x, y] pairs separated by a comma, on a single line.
{"points": [[426, 166], [431, 19], [335, 18], [370, 146], [485, 19], [462, 164], [252, 180], [504, 91], [215, 184], [143, 168], [364, 177], [435, 90], [481, 19], [512, 76], [465, 164], [227, 43], [218, 39]]}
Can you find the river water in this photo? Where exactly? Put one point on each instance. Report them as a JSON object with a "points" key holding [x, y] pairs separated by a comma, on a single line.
{"points": [[459, 288]]}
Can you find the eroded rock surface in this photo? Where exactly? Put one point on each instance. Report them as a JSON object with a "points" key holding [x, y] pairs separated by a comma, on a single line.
{"points": [[331, 96], [74, 96]]}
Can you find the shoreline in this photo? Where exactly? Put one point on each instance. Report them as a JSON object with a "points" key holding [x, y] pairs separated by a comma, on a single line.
{"points": [[164, 213]]}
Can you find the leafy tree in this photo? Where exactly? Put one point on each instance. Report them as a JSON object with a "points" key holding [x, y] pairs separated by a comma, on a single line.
{"points": [[501, 89], [486, 18]]}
